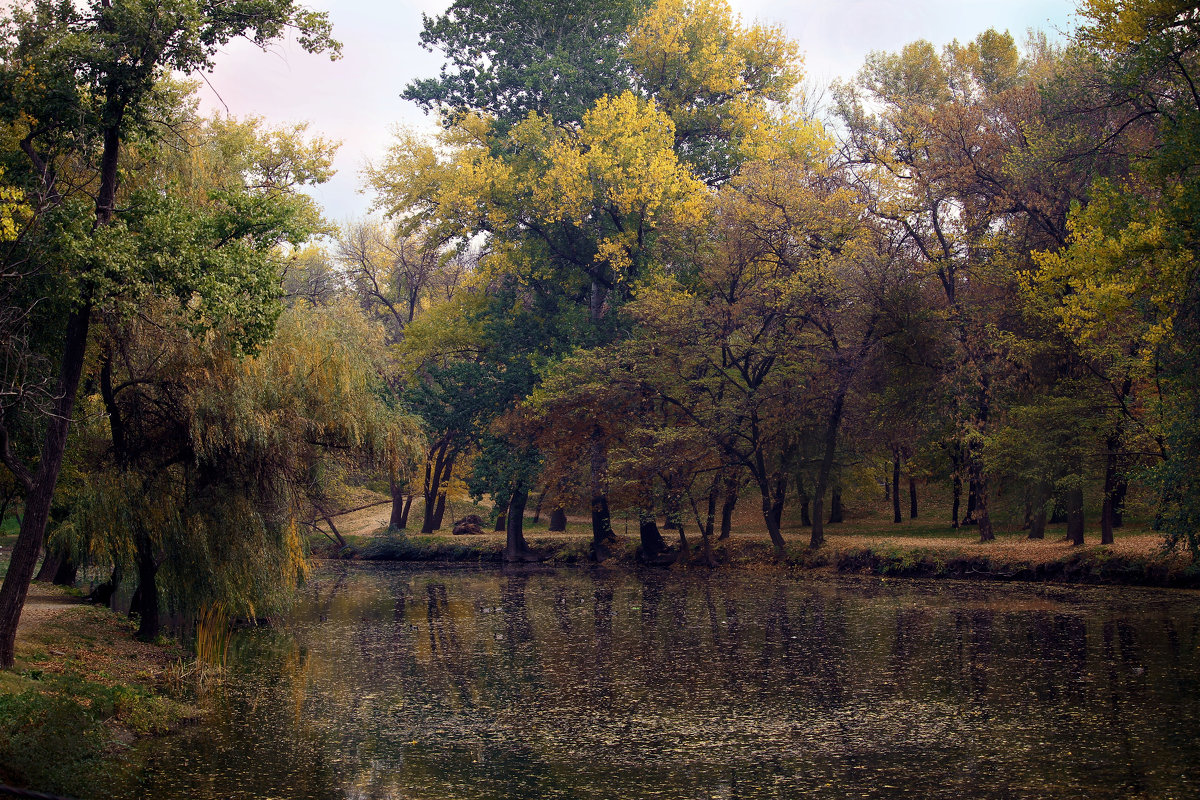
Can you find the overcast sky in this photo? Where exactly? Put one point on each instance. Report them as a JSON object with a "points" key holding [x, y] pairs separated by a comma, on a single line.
{"points": [[357, 99]]}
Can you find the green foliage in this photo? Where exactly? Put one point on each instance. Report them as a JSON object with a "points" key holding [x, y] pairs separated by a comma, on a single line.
{"points": [[507, 59], [56, 735]]}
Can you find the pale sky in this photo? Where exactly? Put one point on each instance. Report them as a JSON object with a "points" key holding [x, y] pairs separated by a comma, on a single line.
{"points": [[357, 99]]}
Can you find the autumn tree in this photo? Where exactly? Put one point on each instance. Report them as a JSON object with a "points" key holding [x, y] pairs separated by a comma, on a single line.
{"points": [[77, 83]]}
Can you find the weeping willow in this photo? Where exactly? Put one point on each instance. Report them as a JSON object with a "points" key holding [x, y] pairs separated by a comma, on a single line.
{"points": [[204, 466]]}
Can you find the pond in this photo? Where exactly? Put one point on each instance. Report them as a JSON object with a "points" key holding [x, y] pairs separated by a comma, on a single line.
{"points": [[465, 684]]}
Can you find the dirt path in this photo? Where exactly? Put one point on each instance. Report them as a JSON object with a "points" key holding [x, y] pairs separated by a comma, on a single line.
{"points": [[43, 603]]}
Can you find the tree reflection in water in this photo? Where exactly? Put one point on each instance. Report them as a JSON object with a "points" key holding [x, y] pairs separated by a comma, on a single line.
{"points": [[393, 683]]}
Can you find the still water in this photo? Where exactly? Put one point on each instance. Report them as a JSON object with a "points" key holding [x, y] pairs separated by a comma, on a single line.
{"points": [[457, 684]]}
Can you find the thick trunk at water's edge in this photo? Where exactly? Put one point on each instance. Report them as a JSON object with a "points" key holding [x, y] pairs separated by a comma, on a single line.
{"points": [[649, 535], [515, 548]]}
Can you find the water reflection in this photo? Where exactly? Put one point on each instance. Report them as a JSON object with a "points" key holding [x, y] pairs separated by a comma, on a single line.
{"points": [[394, 683]]}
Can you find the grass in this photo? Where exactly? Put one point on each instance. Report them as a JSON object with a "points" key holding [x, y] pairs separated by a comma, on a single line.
{"points": [[83, 689]]}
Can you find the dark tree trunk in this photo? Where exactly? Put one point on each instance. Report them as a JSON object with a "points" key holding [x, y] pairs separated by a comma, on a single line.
{"points": [[502, 517], [983, 517], [58, 567], [972, 497], [39, 487], [1075, 520], [778, 494], [102, 594], [956, 493], [912, 498], [731, 498], [1108, 509], [602, 533], [1037, 517], [558, 520], [515, 548], [147, 594], [769, 517], [50, 564], [439, 512], [674, 516], [837, 511], [408, 501], [432, 486], [831, 433], [649, 535], [1118, 506], [537, 509], [895, 484], [805, 501], [955, 484], [397, 521], [67, 572]]}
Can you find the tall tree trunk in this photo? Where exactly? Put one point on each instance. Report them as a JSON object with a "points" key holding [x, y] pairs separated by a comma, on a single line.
{"points": [[912, 497], [147, 608], [408, 501], [558, 520], [432, 487], [731, 498], [778, 495], [768, 512], [1108, 509], [831, 433], [955, 484], [895, 484], [1075, 520], [805, 500], [515, 548], [972, 496], [982, 512], [837, 511], [39, 487], [439, 511], [1037, 519], [602, 533], [1118, 505]]}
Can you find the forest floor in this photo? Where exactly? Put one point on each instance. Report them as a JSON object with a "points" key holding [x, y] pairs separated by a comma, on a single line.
{"points": [[868, 542], [83, 690]]}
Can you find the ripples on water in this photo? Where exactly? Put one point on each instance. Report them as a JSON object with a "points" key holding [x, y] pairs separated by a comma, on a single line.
{"points": [[398, 683]]}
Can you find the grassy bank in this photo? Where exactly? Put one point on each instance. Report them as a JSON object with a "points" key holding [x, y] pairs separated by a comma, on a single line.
{"points": [[83, 690], [866, 545]]}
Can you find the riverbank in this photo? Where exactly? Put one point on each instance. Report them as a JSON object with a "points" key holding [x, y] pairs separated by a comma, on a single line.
{"points": [[83, 690], [1135, 559]]}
